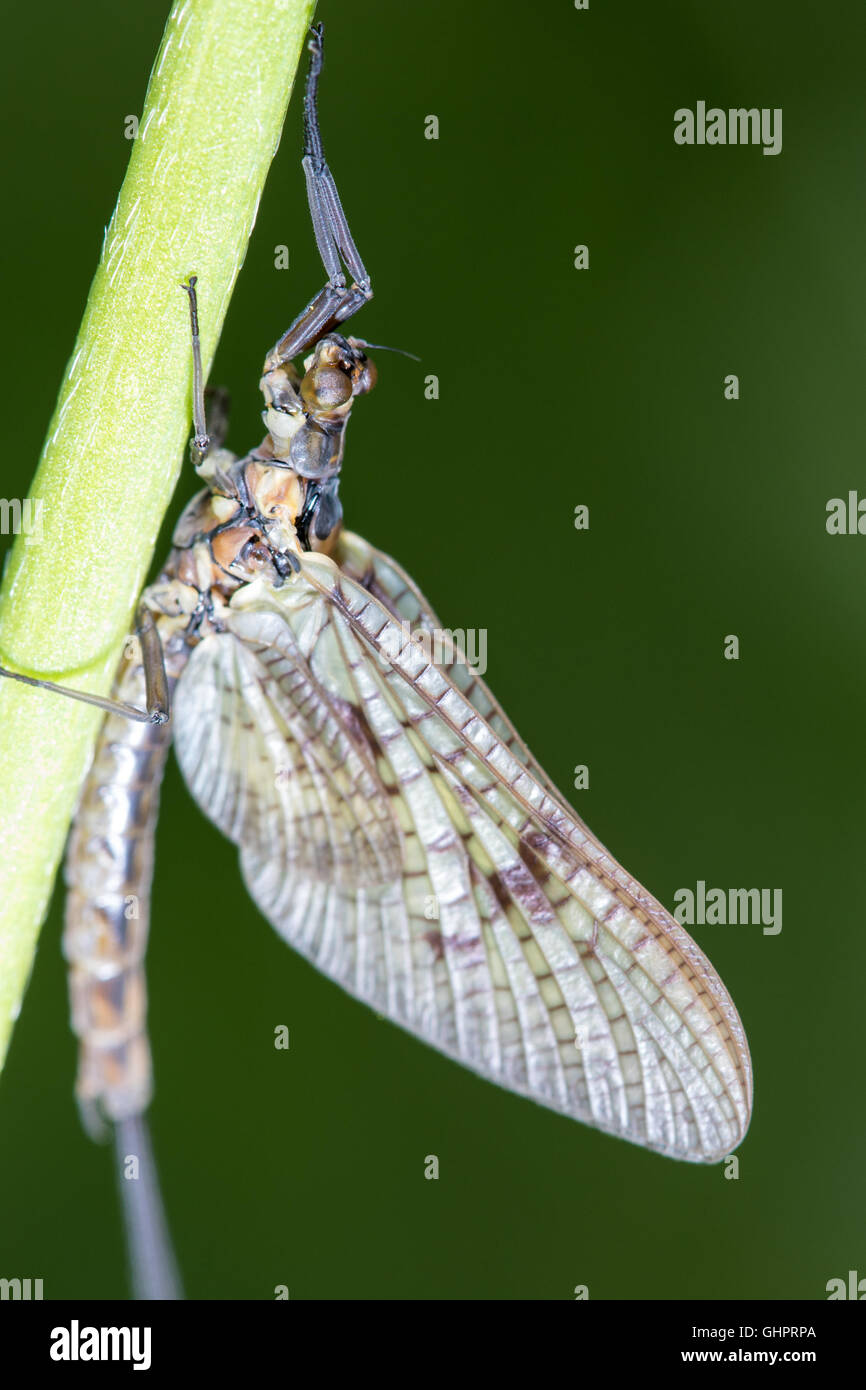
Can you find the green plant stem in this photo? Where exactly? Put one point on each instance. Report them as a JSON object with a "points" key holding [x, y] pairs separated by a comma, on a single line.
{"points": [[211, 123]]}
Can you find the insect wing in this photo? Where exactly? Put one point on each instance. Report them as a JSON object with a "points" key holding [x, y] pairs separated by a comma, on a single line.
{"points": [[388, 582], [410, 848]]}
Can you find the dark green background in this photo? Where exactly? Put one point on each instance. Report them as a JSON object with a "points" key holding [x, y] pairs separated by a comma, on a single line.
{"points": [[707, 518]]}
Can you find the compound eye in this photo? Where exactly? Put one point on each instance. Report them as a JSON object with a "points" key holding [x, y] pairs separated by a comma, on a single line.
{"points": [[325, 388]]}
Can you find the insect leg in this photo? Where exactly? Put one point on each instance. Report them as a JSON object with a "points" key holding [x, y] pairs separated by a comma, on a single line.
{"points": [[156, 696], [156, 687], [200, 442], [337, 301]]}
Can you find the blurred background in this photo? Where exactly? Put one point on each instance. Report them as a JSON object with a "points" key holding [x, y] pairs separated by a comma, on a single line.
{"points": [[558, 387]]}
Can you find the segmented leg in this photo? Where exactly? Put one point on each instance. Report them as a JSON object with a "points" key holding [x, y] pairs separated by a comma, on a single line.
{"points": [[337, 301], [156, 700]]}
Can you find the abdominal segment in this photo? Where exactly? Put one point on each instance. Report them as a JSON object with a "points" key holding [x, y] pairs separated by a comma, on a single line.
{"points": [[109, 866]]}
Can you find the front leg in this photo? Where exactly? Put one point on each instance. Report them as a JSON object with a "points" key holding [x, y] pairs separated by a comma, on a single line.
{"points": [[337, 301]]}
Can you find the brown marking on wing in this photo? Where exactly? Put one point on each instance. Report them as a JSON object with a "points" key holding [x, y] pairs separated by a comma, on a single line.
{"points": [[503, 897], [435, 942], [356, 723]]}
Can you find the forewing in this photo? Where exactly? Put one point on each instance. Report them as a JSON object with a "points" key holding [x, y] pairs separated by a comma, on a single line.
{"points": [[399, 834], [389, 583]]}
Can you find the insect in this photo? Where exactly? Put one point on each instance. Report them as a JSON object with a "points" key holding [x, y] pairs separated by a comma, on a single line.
{"points": [[391, 824]]}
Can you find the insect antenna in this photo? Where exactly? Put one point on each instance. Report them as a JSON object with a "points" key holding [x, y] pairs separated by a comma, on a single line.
{"points": [[384, 347]]}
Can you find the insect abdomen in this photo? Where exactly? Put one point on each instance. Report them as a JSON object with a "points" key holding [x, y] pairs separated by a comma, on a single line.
{"points": [[109, 866]]}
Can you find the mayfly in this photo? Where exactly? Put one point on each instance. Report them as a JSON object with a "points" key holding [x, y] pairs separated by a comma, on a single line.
{"points": [[391, 824]]}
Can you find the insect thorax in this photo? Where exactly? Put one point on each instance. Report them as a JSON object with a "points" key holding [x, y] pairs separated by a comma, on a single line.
{"points": [[260, 512]]}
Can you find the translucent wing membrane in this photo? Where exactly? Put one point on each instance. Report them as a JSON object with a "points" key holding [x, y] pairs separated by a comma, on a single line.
{"points": [[395, 830]]}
